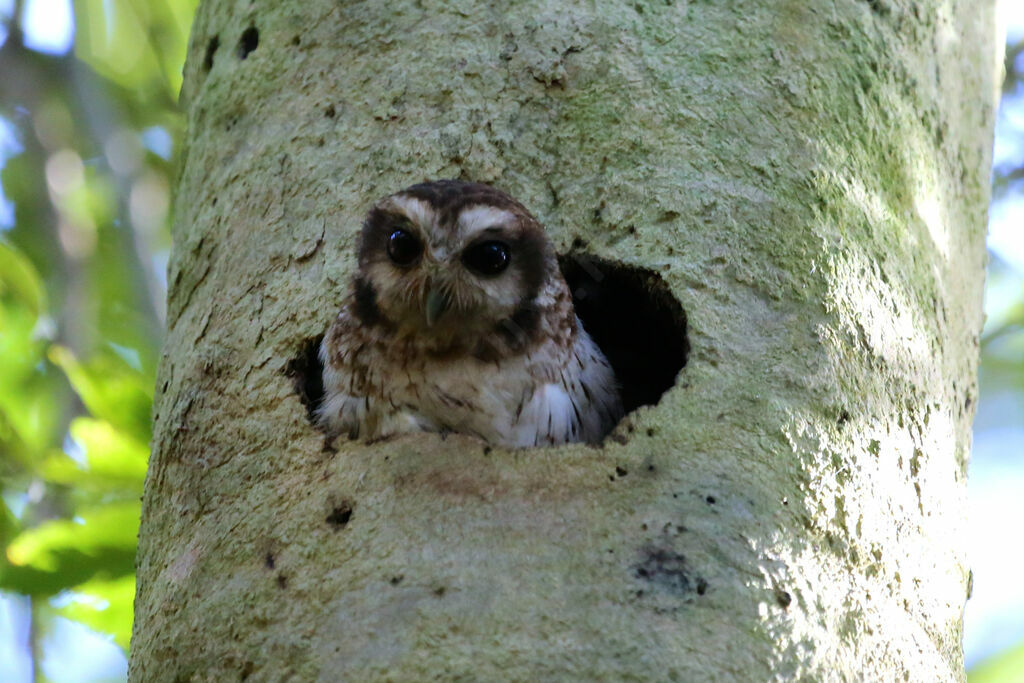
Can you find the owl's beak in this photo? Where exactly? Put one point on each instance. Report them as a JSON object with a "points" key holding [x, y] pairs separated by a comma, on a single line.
{"points": [[436, 304]]}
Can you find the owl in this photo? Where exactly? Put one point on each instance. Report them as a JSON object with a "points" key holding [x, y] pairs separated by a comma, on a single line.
{"points": [[459, 320]]}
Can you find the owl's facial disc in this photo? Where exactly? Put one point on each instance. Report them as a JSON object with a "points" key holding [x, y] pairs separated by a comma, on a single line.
{"points": [[486, 259], [452, 261]]}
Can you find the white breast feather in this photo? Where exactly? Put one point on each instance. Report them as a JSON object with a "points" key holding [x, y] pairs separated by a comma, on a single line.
{"points": [[515, 408], [548, 415]]}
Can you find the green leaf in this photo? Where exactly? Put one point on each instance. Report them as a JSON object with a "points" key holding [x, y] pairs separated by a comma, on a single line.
{"points": [[8, 524], [95, 531], [112, 458], [110, 388], [104, 605], [60, 554], [18, 279], [28, 387], [1005, 667], [72, 568], [134, 44]]}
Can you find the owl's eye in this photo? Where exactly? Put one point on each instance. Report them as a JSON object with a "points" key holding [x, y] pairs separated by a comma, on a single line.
{"points": [[487, 258], [403, 247]]}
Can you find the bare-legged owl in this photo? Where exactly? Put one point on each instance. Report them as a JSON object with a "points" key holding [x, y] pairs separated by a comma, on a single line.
{"points": [[459, 320]]}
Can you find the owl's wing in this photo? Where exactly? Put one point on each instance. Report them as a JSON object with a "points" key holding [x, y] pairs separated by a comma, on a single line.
{"points": [[575, 398], [597, 383], [353, 402], [340, 412]]}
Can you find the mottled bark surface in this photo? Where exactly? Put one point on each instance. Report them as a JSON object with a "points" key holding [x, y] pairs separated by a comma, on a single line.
{"points": [[809, 178]]}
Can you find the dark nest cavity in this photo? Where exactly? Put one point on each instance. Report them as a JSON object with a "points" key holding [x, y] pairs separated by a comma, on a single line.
{"points": [[629, 312]]}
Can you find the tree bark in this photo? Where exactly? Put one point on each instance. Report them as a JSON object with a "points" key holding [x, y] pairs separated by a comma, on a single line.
{"points": [[809, 178]]}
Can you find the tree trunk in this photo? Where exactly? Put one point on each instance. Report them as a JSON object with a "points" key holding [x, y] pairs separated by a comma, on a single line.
{"points": [[810, 181]]}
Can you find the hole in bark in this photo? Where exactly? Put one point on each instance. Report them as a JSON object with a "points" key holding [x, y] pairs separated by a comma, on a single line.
{"points": [[306, 372], [248, 42], [670, 571], [340, 515], [628, 311], [330, 111], [879, 7], [633, 316], [211, 49]]}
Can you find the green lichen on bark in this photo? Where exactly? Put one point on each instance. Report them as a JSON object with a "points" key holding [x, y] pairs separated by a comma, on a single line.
{"points": [[808, 178]]}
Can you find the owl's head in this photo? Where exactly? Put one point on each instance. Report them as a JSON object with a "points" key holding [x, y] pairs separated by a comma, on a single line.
{"points": [[449, 260]]}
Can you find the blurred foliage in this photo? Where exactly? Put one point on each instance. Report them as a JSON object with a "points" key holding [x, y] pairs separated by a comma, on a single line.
{"points": [[1002, 343], [86, 147], [1007, 667], [1009, 177]]}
